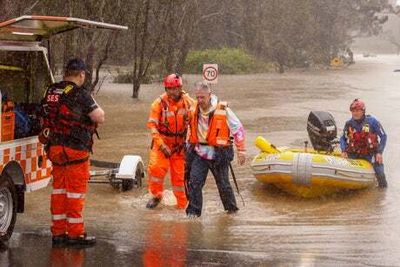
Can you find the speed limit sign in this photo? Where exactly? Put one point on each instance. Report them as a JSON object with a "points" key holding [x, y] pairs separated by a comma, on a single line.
{"points": [[210, 73]]}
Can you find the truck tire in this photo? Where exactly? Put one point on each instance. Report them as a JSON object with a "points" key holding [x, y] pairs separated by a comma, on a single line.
{"points": [[8, 207]]}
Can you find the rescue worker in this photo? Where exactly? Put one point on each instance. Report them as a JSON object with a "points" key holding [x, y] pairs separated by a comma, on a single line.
{"points": [[212, 125], [168, 122], [69, 122], [364, 138]]}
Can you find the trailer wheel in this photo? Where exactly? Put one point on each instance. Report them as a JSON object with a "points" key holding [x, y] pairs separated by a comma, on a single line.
{"points": [[8, 207], [127, 184], [139, 175]]}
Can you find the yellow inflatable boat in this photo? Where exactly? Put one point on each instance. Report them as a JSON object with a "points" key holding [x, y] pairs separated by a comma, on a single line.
{"points": [[309, 173]]}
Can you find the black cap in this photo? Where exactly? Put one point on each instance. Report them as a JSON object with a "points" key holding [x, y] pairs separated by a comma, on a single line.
{"points": [[76, 64]]}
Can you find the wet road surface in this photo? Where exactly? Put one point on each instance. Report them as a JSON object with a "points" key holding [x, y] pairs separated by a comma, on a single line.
{"points": [[273, 228]]}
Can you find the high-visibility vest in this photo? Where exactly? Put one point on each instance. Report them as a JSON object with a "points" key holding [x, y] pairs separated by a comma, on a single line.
{"points": [[64, 117], [169, 120], [218, 133]]}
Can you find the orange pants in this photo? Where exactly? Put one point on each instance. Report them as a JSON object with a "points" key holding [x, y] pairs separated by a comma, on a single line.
{"points": [[158, 168], [69, 189]]}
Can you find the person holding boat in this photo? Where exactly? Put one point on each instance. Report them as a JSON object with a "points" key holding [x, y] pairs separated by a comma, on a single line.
{"points": [[213, 129], [364, 138]]}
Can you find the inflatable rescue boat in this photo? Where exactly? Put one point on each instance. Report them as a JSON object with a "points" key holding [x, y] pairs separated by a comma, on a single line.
{"points": [[312, 172]]}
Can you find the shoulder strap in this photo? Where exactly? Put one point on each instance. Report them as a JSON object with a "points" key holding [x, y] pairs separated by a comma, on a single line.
{"points": [[222, 105]]}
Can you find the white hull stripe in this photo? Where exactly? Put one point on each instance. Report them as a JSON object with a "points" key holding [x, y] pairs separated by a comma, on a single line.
{"points": [[59, 217], [75, 195], [74, 220]]}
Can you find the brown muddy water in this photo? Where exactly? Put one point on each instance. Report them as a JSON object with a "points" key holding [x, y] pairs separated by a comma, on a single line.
{"points": [[272, 228]]}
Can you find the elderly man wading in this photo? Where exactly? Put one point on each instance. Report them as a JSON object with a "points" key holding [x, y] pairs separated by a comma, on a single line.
{"points": [[212, 126]]}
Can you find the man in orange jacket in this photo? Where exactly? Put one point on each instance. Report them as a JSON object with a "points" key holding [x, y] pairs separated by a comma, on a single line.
{"points": [[70, 116], [168, 122], [213, 125]]}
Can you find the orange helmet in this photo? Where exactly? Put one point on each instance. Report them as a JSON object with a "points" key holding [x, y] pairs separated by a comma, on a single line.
{"points": [[357, 104], [172, 80]]}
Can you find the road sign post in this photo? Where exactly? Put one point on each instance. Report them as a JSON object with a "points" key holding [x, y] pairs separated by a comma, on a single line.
{"points": [[210, 73]]}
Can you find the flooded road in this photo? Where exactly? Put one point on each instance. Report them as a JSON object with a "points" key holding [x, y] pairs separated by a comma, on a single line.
{"points": [[272, 228]]}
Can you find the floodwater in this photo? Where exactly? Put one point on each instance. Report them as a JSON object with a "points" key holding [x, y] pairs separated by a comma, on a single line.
{"points": [[272, 228]]}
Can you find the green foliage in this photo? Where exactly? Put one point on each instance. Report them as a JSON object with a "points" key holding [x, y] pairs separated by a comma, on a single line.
{"points": [[229, 60]]}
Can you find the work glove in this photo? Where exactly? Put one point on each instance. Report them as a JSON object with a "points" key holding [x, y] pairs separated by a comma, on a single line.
{"points": [[379, 158], [44, 136]]}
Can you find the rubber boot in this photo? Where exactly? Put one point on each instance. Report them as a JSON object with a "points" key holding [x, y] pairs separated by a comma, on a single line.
{"points": [[58, 240], [82, 240], [153, 202], [382, 183]]}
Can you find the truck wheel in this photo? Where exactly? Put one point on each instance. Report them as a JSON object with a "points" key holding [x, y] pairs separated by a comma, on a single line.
{"points": [[8, 207]]}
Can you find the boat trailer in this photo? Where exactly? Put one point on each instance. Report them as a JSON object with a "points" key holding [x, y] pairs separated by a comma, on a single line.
{"points": [[124, 176]]}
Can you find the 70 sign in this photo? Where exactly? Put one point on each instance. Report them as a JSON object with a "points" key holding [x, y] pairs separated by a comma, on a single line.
{"points": [[210, 73]]}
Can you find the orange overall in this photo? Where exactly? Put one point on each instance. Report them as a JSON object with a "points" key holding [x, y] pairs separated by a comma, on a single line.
{"points": [[168, 122], [69, 189]]}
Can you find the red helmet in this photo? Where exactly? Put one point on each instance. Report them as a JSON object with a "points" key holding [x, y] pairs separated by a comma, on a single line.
{"points": [[172, 80], [357, 104]]}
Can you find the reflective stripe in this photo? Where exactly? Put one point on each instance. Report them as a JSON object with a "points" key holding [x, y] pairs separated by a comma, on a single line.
{"points": [[182, 111], [178, 188], [155, 179], [153, 120], [170, 114], [75, 195], [221, 142], [59, 217], [59, 191], [154, 130], [74, 220]]}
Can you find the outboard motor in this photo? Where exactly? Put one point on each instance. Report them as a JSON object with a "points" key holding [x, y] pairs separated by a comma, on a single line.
{"points": [[321, 128]]}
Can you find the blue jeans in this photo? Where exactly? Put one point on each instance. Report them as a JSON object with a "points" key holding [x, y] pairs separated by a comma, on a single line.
{"points": [[197, 177]]}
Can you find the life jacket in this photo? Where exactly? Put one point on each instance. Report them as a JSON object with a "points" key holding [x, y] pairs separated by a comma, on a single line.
{"points": [[64, 117], [218, 133], [174, 120], [362, 142]]}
